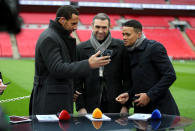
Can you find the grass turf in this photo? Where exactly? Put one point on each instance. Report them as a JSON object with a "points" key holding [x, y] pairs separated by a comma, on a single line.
{"points": [[21, 72]]}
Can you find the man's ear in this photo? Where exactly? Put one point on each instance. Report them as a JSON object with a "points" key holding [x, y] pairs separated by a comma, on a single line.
{"points": [[92, 25], [140, 34], [61, 20]]}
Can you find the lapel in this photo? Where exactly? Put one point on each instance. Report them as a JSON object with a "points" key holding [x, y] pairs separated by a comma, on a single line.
{"points": [[88, 49], [114, 47], [64, 49]]}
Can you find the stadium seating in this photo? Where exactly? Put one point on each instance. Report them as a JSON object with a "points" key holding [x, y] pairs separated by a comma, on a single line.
{"points": [[146, 1], [174, 42], [37, 18], [182, 2], [152, 21], [190, 20], [117, 1], [172, 39], [191, 35], [26, 41], [5, 45], [86, 19]]}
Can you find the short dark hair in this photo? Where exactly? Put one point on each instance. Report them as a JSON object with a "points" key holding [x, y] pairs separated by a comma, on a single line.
{"points": [[133, 23], [66, 12], [102, 16]]}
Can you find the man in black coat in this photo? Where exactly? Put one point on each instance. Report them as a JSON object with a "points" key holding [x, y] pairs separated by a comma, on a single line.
{"points": [[151, 71], [103, 85], [55, 66]]}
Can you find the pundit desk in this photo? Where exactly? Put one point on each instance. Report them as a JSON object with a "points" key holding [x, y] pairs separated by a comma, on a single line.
{"points": [[118, 122]]}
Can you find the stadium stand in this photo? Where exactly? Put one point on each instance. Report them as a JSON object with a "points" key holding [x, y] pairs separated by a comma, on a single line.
{"points": [[5, 45], [146, 1], [190, 20], [182, 2], [172, 39], [174, 42], [83, 35], [152, 21], [37, 18], [157, 26], [191, 34], [117, 1], [86, 19], [26, 41]]}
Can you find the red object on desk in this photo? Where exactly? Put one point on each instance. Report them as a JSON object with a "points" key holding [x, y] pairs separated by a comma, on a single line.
{"points": [[64, 115]]}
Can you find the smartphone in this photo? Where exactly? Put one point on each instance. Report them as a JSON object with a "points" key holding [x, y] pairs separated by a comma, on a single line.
{"points": [[107, 52], [18, 119]]}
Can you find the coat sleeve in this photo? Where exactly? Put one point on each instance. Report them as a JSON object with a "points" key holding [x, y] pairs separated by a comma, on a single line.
{"points": [[79, 86], [126, 75], [165, 68], [51, 54]]}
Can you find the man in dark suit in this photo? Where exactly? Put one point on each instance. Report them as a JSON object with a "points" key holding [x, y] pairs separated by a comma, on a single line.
{"points": [[55, 65], [2, 86], [151, 70], [100, 88]]}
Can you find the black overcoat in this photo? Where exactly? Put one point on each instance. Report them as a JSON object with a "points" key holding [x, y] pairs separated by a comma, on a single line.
{"points": [[153, 73], [54, 71], [116, 78]]}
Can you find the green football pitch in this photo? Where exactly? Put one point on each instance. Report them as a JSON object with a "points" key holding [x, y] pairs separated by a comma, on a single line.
{"points": [[20, 73]]}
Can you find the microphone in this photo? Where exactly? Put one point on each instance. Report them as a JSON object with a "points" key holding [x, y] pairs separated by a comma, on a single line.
{"points": [[156, 114]]}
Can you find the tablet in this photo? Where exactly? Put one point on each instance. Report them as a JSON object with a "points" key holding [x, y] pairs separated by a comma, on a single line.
{"points": [[18, 119]]}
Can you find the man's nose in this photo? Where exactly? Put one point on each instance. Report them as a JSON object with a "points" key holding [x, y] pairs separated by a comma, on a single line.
{"points": [[124, 37], [100, 30]]}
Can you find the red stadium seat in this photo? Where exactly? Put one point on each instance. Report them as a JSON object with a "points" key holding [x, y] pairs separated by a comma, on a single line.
{"points": [[146, 1], [190, 20], [5, 45], [86, 19], [37, 18], [152, 21], [172, 39], [83, 35], [191, 34], [183, 2], [26, 41], [116, 1]]}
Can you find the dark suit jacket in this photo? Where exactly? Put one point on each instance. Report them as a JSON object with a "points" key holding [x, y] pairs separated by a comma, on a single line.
{"points": [[116, 78], [153, 73], [54, 71]]}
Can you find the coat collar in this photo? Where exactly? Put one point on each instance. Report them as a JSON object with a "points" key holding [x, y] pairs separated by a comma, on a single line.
{"points": [[69, 42], [143, 45], [59, 29]]}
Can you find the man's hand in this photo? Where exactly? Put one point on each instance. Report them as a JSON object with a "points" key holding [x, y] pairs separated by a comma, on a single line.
{"points": [[143, 99], [124, 110], [122, 98], [2, 86], [96, 62], [76, 95], [82, 111]]}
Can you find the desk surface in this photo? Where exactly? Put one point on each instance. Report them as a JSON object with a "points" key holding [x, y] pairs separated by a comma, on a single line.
{"points": [[118, 122]]}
